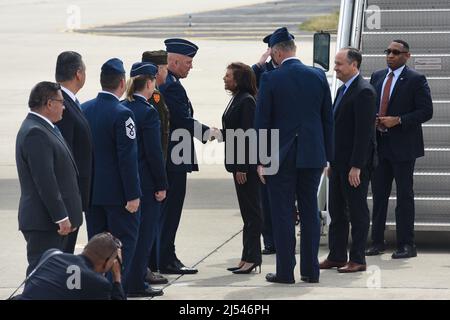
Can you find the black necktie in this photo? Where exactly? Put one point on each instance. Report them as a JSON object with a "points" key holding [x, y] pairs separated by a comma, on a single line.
{"points": [[339, 98], [57, 131], [78, 103]]}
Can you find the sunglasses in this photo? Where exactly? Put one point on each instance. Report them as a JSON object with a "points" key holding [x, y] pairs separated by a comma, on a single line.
{"points": [[395, 52]]}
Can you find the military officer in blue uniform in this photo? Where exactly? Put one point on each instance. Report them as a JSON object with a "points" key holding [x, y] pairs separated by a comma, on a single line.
{"points": [[152, 172], [180, 55], [295, 100], [116, 188], [263, 65]]}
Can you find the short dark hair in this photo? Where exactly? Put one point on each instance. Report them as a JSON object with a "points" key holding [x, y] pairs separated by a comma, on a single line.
{"points": [[41, 93], [101, 246], [354, 54], [404, 43], [110, 81], [67, 65], [244, 76]]}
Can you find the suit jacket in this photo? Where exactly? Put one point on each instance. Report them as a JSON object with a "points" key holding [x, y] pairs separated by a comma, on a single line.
{"points": [[240, 114], [152, 169], [49, 282], [75, 130], [354, 126], [181, 117], [157, 100], [116, 176], [411, 100], [296, 100], [48, 178]]}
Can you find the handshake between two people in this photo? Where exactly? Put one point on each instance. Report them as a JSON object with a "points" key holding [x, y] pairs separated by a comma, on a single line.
{"points": [[214, 134]]}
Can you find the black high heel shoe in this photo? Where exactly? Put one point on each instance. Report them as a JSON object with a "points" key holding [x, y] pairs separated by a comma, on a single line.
{"points": [[246, 271], [233, 268]]}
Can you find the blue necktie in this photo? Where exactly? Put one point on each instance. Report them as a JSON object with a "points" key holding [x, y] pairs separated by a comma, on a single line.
{"points": [[339, 98]]}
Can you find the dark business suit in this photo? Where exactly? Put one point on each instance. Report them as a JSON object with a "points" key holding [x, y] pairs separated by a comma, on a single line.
{"points": [[398, 149], [116, 175], [181, 117], [295, 99], [240, 114], [75, 130], [152, 173], [49, 186], [354, 136], [49, 282]]}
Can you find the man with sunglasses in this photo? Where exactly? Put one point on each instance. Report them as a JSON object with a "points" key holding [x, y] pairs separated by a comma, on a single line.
{"points": [[404, 103], [63, 276], [50, 202]]}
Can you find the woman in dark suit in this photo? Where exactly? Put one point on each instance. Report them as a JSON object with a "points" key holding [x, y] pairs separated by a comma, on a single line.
{"points": [[239, 114]]}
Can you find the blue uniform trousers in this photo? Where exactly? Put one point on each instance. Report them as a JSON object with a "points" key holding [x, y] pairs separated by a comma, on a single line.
{"points": [[171, 215], [282, 187], [150, 216], [122, 225]]}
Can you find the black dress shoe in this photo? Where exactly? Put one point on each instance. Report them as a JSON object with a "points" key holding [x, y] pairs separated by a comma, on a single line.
{"points": [[310, 280], [148, 292], [268, 250], [272, 277], [154, 278], [375, 250], [177, 267], [406, 252]]}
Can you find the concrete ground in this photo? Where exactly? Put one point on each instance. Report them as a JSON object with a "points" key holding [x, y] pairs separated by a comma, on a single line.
{"points": [[210, 232]]}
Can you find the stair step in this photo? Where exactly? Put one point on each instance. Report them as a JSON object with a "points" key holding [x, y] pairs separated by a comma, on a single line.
{"points": [[436, 136], [428, 184], [419, 42], [428, 210], [435, 160], [411, 20], [410, 4], [437, 65]]}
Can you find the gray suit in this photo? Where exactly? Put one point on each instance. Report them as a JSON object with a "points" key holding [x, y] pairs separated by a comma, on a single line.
{"points": [[49, 186]]}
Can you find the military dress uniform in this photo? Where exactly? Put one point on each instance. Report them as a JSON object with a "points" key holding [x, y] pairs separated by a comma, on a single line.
{"points": [[153, 178], [116, 177], [181, 117]]}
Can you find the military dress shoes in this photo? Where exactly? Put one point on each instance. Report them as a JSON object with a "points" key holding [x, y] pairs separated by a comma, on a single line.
{"points": [[147, 292], [272, 277], [375, 249], [154, 278], [328, 264], [309, 280], [406, 252], [268, 250], [352, 267], [177, 267]]}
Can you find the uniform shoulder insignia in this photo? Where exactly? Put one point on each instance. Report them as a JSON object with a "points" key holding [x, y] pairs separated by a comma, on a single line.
{"points": [[130, 128], [156, 97]]}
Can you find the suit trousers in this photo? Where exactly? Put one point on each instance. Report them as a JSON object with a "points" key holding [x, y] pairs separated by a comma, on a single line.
{"points": [[282, 187], [267, 232], [150, 216], [38, 242], [171, 215], [248, 195], [348, 205], [402, 172], [122, 225]]}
